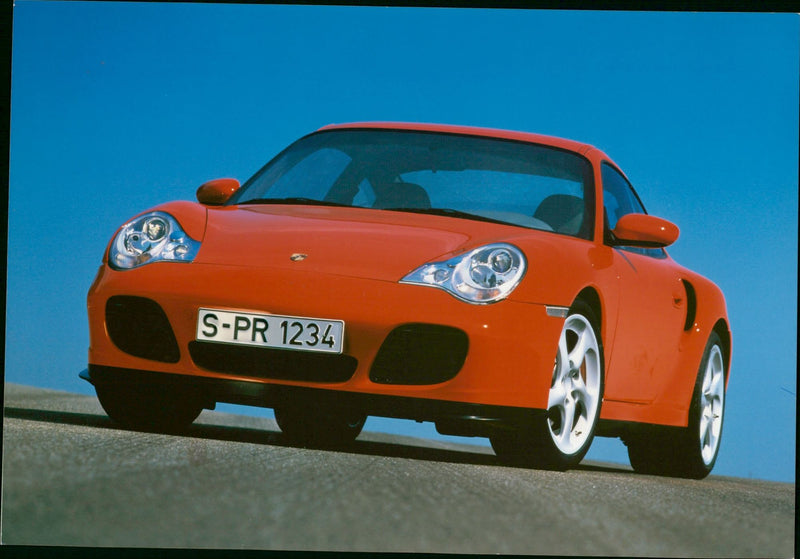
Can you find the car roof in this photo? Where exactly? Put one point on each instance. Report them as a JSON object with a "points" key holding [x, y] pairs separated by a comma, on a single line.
{"points": [[562, 143]]}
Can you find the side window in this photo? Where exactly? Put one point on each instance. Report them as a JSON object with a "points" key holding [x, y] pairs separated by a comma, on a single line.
{"points": [[618, 200], [618, 197]]}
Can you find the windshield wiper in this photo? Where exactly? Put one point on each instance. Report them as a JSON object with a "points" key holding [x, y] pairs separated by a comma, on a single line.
{"points": [[294, 200], [449, 212]]}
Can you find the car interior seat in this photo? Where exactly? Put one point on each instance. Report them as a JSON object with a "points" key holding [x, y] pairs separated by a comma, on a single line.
{"points": [[562, 212], [402, 195]]}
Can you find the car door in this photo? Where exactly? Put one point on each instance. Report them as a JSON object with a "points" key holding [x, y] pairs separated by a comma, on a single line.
{"points": [[652, 306]]}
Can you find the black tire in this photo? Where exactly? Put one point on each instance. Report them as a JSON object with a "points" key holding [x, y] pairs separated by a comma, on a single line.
{"points": [[319, 425], [554, 441], [692, 451], [148, 407]]}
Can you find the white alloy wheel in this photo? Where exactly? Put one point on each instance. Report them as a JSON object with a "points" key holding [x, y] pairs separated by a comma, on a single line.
{"points": [[712, 401], [575, 392]]}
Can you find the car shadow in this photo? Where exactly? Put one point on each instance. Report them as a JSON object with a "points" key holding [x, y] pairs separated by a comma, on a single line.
{"points": [[272, 437]]}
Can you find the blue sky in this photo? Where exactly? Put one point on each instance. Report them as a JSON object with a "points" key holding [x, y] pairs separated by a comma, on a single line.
{"points": [[117, 107]]}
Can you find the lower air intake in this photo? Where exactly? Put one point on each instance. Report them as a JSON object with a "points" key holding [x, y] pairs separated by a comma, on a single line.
{"points": [[420, 354], [273, 363], [138, 326]]}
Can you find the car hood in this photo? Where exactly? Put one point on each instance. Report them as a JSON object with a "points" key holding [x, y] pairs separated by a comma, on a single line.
{"points": [[353, 242]]}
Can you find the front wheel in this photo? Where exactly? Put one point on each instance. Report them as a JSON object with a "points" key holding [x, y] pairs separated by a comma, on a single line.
{"points": [[319, 425], [148, 407], [689, 452], [560, 438]]}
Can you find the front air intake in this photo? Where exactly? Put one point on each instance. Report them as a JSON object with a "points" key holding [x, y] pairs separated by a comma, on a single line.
{"points": [[138, 326], [420, 354]]}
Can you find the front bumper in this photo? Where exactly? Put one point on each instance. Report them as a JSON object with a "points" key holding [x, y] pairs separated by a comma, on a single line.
{"points": [[508, 363], [451, 418]]}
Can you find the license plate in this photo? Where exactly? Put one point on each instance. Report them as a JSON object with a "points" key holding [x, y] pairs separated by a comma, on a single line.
{"points": [[269, 330]]}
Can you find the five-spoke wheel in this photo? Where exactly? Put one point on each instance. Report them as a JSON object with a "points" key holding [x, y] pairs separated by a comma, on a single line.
{"points": [[574, 399], [712, 401], [562, 437]]}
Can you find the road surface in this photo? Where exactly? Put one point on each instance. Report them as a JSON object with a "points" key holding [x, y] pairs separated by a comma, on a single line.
{"points": [[72, 478]]}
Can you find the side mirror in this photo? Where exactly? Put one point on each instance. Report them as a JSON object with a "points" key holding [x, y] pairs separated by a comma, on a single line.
{"points": [[217, 192], [643, 230]]}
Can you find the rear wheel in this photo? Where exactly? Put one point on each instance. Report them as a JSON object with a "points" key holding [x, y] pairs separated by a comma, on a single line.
{"points": [[319, 425], [561, 437], [148, 407], [689, 452]]}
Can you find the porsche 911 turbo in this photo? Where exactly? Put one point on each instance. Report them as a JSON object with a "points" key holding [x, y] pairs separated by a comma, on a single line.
{"points": [[498, 284]]}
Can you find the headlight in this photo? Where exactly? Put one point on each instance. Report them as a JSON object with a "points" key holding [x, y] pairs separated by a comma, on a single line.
{"points": [[153, 237], [484, 275]]}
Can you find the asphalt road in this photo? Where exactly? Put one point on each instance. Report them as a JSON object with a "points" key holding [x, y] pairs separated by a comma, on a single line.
{"points": [[71, 478]]}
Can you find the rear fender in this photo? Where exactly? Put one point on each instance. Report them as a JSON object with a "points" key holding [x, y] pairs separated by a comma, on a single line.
{"points": [[710, 315]]}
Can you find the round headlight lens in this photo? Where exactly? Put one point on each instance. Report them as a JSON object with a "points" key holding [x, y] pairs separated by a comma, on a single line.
{"points": [[501, 261], [155, 228], [153, 237], [485, 275]]}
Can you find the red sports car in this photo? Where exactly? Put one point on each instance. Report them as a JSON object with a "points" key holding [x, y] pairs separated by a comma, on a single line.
{"points": [[499, 284]]}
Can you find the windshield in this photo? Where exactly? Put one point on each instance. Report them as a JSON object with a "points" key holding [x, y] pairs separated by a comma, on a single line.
{"points": [[466, 177]]}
